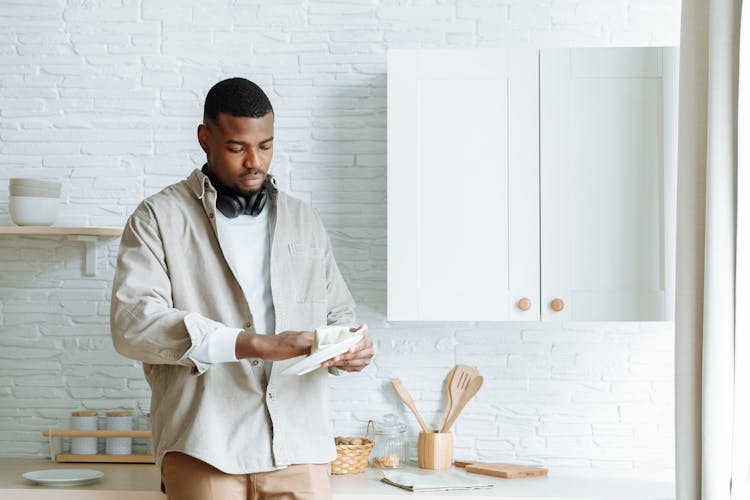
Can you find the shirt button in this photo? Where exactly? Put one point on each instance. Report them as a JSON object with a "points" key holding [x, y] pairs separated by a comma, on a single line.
{"points": [[248, 324], [270, 396], [255, 362], [211, 215]]}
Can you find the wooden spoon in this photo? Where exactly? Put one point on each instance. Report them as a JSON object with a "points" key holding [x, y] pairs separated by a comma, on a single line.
{"points": [[460, 381], [448, 402], [465, 397], [408, 401]]}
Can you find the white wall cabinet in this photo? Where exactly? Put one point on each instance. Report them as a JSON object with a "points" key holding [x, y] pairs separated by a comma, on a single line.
{"points": [[463, 173], [531, 185]]}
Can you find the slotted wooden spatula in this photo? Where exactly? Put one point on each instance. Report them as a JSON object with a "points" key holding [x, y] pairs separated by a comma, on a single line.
{"points": [[464, 397], [459, 382]]}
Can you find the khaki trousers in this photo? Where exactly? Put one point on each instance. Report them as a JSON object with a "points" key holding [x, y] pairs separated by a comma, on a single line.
{"points": [[187, 478]]}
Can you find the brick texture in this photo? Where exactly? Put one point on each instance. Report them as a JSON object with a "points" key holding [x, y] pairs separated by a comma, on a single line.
{"points": [[106, 96]]}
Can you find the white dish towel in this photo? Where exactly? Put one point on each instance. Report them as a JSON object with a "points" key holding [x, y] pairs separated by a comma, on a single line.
{"points": [[440, 481]]}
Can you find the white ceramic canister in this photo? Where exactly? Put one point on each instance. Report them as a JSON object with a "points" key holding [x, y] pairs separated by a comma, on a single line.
{"points": [[83, 421], [119, 421]]}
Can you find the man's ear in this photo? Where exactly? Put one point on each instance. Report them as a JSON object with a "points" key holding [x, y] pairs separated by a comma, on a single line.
{"points": [[203, 134]]}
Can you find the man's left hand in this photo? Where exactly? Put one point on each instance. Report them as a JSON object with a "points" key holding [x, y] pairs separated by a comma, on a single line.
{"points": [[357, 357]]}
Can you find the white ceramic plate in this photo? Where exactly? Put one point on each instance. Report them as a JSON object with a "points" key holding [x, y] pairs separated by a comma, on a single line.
{"points": [[313, 361], [63, 477]]}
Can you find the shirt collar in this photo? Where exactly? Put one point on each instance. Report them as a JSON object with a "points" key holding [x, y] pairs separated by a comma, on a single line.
{"points": [[199, 183]]}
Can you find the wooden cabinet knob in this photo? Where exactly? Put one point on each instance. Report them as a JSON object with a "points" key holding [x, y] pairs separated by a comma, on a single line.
{"points": [[524, 304], [557, 305]]}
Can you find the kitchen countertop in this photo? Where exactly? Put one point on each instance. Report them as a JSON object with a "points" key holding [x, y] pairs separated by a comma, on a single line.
{"points": [[141, 482]]}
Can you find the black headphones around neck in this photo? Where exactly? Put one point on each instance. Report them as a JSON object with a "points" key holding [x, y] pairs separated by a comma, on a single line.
{"points": [[233, 204]]}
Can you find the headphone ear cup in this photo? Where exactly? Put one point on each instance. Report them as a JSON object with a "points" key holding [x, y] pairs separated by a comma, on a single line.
{"points": [[241, 203], [249, 203], [230, 206], [256, 203]]}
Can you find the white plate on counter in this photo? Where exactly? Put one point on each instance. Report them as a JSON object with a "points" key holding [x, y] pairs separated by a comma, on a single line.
{"points": [[313, 361], [63, 477]]}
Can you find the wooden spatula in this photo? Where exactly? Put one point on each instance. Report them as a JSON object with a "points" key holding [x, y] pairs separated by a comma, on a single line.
{"points": [[448, 403], [408, 401]]}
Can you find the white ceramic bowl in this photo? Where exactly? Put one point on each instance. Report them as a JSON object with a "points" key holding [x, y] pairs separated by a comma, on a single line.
{"points": [[36, 183], [33, 191], [33, 210]]}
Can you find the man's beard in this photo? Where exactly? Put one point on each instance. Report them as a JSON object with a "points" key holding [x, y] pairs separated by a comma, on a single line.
{"points": [[221, 188], [257, 173]]}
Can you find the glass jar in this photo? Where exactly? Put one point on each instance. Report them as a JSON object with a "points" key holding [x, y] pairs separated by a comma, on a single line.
{"points": [[391, 448]]}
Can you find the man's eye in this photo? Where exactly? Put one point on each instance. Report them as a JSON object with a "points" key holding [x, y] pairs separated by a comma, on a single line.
{"points": [[235, 150], [265, 148]]}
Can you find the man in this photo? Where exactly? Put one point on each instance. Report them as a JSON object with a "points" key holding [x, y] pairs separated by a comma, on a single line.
{"points": [[216, 303]]}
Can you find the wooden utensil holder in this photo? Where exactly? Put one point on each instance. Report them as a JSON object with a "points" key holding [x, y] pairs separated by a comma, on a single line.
{"points": [[57, 455], [435, 450]]}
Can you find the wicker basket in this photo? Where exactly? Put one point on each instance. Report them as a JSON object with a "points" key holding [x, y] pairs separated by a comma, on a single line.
{"points": [[353, 458]]}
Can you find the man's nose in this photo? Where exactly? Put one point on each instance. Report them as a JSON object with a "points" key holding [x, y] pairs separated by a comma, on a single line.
{"points": [[252, 159]]}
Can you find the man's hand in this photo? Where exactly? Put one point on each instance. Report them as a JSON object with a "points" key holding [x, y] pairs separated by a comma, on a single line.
{"points": [[277, 347], [357, 357]]}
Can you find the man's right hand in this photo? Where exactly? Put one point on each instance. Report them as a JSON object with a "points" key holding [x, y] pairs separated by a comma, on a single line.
{"points": [[283, 345]]}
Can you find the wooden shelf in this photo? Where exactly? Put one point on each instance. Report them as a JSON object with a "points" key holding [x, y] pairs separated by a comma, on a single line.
{"points": [[65, 231], [97, 433], [88, 235], [133, 458]]}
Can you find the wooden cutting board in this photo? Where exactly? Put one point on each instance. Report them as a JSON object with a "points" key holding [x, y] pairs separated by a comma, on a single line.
{"points": [[504, 470]]}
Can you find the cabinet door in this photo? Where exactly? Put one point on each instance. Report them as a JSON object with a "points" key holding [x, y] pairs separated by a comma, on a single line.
{"points": [[607, 125], [463, 206]]}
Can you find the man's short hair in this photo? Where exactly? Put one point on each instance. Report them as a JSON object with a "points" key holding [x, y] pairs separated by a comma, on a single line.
{"points": [[236, 97]]}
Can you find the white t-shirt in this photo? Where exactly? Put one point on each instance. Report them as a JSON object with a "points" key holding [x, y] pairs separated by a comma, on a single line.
{"points": [[246, 244]]}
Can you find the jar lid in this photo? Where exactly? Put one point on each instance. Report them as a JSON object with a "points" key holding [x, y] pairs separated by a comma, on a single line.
{"points": [[119, 414], [390, 425], [86, 413]]}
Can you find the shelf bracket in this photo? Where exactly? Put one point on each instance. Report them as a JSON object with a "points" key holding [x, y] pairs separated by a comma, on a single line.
{"points": [[90, 247]]}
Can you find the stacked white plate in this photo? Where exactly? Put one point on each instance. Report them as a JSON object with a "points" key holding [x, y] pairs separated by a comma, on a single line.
{"points": [[313, 361], [34, 202], [63, 477]]}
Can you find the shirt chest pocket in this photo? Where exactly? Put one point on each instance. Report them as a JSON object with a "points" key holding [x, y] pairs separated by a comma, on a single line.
{"points": [[308, 273]]}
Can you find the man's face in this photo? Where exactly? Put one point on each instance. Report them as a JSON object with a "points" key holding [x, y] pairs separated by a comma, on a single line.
{"points": [[238, 150]]}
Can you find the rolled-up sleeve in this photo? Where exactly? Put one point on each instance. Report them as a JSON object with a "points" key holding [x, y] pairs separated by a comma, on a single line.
{"points": [[144, 323], [218, 347]]}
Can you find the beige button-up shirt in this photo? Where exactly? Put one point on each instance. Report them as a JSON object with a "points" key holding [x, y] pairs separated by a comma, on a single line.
{"points": [[173, 288]]}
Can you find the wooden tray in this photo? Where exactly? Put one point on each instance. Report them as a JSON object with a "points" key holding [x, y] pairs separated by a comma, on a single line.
{"points": [[133, 458], [504, 470], [98, 433]]}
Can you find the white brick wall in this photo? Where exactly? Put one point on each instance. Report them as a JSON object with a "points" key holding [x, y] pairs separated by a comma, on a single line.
{"points": [[106, 95]]}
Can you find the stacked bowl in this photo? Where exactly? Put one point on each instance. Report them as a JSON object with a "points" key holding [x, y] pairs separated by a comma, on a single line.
{"points": [[34, 202]]}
